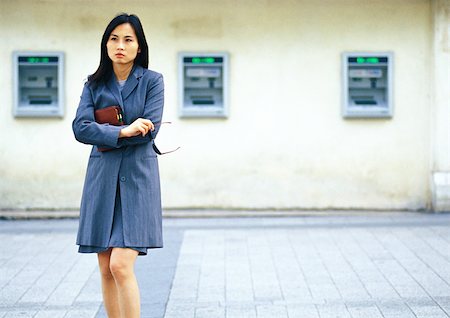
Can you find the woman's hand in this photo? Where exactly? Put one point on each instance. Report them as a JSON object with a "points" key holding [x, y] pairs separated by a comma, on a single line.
{"points": [[139, 126]]}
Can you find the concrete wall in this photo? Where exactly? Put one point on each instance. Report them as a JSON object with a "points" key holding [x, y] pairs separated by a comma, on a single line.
{"points": [[284, 145]]}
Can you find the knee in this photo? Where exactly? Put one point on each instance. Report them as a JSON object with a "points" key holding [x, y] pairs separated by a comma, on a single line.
{"points": [[106, 272], [119, 269]]}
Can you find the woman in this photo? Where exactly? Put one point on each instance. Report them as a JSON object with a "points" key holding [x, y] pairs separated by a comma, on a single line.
{"points": [[120, 214]]}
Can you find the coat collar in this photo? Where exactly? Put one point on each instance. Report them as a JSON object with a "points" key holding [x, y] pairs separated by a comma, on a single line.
{"points": [[131, 83]]}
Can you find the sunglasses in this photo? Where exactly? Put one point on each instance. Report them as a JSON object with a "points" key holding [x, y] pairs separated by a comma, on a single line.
{"points": [[159, 152]]}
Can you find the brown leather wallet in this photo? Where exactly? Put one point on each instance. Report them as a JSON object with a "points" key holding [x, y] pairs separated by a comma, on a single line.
{"points": [[109, 115]]}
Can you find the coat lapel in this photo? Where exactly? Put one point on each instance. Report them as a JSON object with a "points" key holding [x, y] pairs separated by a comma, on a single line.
{"points": [[132, 81], [130, 85]]}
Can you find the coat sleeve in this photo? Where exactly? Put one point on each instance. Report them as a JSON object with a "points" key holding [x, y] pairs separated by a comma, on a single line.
{"points": [[153, 110], [86, 130]]}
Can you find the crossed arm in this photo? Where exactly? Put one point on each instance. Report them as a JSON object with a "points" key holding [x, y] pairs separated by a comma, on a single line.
{"points": [[142, 130]]}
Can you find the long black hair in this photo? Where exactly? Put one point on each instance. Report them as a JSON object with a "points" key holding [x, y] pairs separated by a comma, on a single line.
{"points": [[104, 70]]}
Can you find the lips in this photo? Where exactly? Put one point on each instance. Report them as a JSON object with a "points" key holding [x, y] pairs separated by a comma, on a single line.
{"points": [[119, 55]]}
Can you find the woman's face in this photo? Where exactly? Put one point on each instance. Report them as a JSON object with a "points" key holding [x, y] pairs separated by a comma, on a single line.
{"points": [[122, 44]]}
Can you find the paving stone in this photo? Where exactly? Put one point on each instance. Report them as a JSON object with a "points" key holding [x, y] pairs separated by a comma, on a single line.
{"points": [[270, 311], [444, 303], [210, 312], [81, 313], [154, 310], [174, 310], [21, 314], [91, 291], [429, 312], [391, 309], [240, 312], [51, 314], [304, 311], [333, 311], [364, 312], [65, 293]]}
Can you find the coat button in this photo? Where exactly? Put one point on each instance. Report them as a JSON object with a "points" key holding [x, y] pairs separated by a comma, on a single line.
{"points": [[123, 179]]}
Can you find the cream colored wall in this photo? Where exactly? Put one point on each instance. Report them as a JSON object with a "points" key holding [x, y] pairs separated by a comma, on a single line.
{"points": [[284, 145], [440, 107]]}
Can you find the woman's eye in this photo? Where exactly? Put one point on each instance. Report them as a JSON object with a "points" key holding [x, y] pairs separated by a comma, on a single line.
{"points": [[113, 39], [129, 40]]}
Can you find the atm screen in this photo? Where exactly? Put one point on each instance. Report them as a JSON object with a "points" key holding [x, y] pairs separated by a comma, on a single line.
{"points": [[38, 59], [368, 59]]}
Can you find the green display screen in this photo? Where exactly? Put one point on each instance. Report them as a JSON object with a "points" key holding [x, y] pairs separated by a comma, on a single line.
{"points": [[38, 59], [203, 59], [198, 60], [367, 60]]}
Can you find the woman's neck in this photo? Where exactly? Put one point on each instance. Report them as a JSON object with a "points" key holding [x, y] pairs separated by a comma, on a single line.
{"points": [[122, 70]]}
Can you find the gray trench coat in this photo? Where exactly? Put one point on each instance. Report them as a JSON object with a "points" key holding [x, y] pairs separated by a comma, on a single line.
{"points": [[132, 163]]}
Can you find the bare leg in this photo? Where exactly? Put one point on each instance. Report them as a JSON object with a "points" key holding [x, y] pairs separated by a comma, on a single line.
{"points": [[109, 289], [121, 266]]}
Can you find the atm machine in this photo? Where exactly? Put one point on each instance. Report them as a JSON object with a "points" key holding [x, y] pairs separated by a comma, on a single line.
{"points": [[367, 85], [38, 84], [203, 80]]}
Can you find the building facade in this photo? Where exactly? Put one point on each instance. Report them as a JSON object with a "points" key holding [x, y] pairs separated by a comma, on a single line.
{"points": [[285, 143]]}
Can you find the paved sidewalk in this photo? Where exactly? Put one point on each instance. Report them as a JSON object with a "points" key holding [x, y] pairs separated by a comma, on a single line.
{"points": [[369, 265]]}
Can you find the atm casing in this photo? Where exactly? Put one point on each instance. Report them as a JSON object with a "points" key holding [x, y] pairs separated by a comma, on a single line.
{"points": [[203, 84], [38, 79], [367, 88]]}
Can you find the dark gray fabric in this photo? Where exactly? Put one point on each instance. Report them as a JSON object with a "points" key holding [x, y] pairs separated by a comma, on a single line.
{"points": [[133, 162]]}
